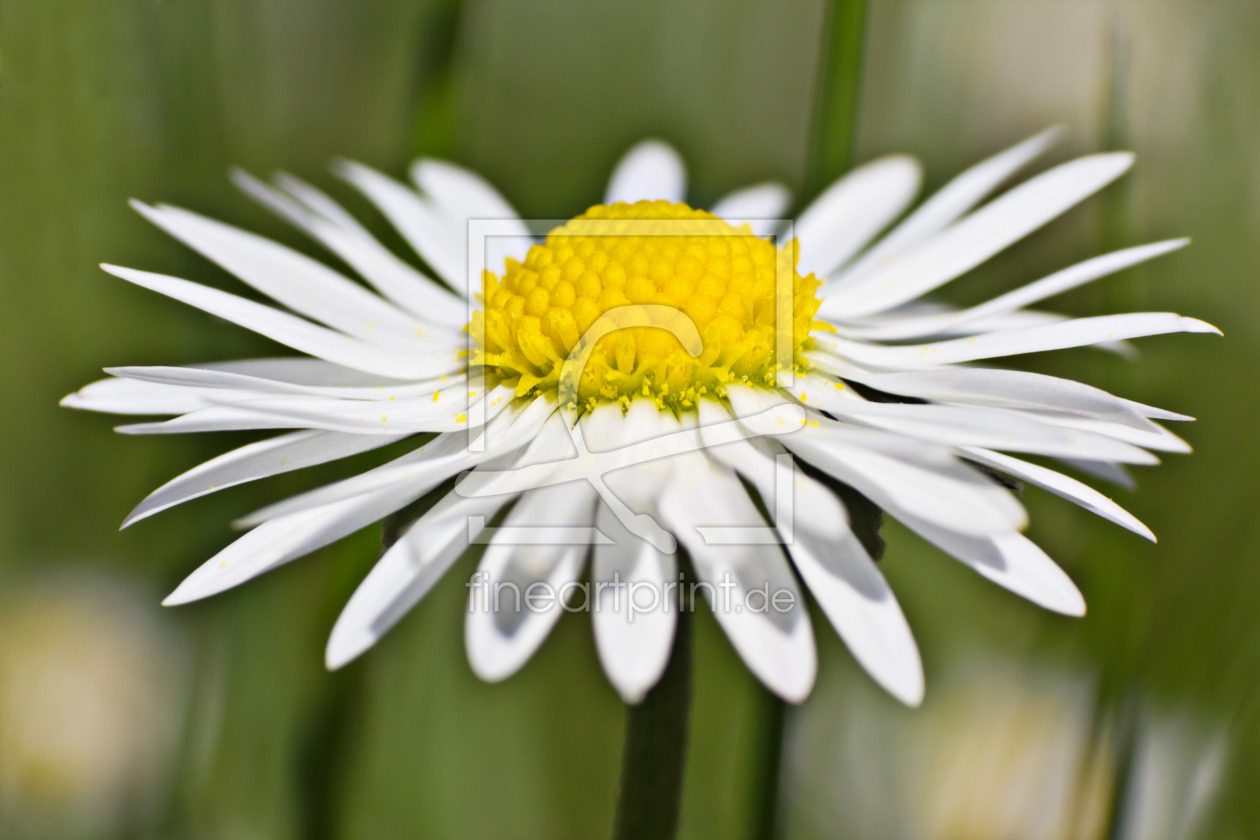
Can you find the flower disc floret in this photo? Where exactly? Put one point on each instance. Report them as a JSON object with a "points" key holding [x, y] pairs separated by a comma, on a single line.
{"points": [[725, 280]]}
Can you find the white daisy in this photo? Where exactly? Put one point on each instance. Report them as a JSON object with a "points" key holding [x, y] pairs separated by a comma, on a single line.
{"points": [[878, 393]]}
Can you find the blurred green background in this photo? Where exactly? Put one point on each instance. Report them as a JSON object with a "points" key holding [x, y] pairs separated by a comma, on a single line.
{"points": [[119, 719]]}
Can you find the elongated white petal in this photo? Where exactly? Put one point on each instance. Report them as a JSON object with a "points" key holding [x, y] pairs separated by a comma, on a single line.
{"points": [[861, 606], [759, 202], [251, 462], [465, 199], [1106, 470], [444, 456], [1062, 485], [225, 379], [419, 222], [775, 642], [950, 202], [1159, 413], [292, 331], [301, 371], [1158, 438], [894, 329], [129, 396], [649, 171], [406, 573], [502, 631], [947, 494], [215, 418], [1012, 561], [850, 212], [634, 612], [307, 287], [971, 241], [1079, 332], [462, 194], [900, 474], [995, 428], [279, 541], [1015, 389], [443, 411], [1023, 319], [759, 461], [325, 221]]}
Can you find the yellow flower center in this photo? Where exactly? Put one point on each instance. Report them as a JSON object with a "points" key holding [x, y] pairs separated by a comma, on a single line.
{"points": [[648, 299]]}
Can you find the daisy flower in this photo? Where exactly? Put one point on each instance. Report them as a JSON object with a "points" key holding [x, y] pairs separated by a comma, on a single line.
{"points": [[719, 374]]}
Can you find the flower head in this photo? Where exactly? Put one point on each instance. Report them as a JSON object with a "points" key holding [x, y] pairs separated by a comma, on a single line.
{"points": [[646, 375]]}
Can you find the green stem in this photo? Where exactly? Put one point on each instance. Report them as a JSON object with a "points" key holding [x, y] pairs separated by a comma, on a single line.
{"points": [[838, 92], [656, 749], [767, 766], [327, 744]]}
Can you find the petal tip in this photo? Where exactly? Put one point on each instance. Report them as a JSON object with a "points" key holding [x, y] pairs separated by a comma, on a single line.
{"points": [[339, 653]]}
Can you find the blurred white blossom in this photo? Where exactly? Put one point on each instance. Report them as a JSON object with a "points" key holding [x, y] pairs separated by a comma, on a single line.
{"points": [[91, 698]]}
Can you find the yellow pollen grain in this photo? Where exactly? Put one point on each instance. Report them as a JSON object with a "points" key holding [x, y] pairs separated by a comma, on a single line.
{"points": [[436, 394], [656, 253]]}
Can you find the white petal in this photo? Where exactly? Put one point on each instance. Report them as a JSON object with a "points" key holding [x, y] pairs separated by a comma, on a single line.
{"points": [[1106, 470], [440, 458], [549, 449], [650, 171], [324, 220], [1061, 485], [292, 331], [300, 283], [462, 194], [419, 222], [1157, 438], [948, 494], [463, 197], [861, 606], [129, 396], [955, 425], [296, 370], [223, 378], [279, 541], [971, 241], [951, 202], [447, 410], [777, 645], [814, 507], [900, 474], [411, 567], [1078, 332], [215, 418], [1011, 561], [251, 462], [766, 201], [891, 328], [1159, 413], [850, 212], [635, 459], [1015, 389], [634, 613], [502, 630], [406, 573]]}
